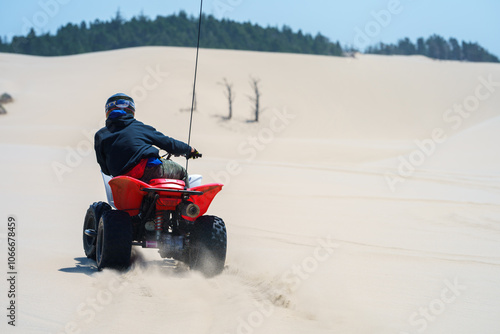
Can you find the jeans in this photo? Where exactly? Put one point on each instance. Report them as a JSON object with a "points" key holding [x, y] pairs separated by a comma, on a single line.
{"points": [[167, 170]]}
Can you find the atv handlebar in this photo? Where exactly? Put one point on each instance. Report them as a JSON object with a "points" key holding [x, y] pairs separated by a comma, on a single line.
{"points": [[191, 155]]}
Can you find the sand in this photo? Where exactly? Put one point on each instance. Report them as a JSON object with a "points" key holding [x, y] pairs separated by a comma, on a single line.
{"points": [[364, 201]]}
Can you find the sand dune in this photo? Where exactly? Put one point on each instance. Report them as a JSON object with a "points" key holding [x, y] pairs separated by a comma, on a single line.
{"points": [[364, 201]]}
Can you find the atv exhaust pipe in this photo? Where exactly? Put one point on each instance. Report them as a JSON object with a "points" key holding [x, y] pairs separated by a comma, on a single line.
{"points": [[190, 210]]}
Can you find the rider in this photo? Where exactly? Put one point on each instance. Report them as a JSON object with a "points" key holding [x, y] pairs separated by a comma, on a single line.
{"points": [[125, 145]]}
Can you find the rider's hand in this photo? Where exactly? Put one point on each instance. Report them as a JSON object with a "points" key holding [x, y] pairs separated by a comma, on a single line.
{"points": [[194, 154]]}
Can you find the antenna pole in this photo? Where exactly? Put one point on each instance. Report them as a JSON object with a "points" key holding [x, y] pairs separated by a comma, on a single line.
{"points": [[194, 83]]}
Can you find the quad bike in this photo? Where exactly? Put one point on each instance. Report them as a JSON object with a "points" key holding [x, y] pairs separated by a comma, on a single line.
{"points": [[163, 215]]}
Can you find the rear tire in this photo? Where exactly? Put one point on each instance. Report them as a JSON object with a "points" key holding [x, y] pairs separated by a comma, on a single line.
{"points": [[208, 245], [114, 240], [91, 221]]}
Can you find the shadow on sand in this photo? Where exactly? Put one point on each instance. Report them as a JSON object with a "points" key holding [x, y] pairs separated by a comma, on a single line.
{"points": [[168, 267], [83, 265]]}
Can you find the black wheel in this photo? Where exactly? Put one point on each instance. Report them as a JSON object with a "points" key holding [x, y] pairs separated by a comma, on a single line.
{"points": [[208, 244], [114, 240], [92, 217]]}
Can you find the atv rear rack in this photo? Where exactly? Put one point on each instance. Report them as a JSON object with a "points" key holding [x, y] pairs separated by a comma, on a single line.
{"points": [[187, 192]]}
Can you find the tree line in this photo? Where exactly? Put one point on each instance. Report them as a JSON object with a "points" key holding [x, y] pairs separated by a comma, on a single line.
{"points": [[174, 30], [181, 30], [436, 47]]}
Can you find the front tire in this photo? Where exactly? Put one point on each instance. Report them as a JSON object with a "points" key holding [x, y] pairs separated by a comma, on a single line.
{"points": [[208, 245], [114, 240], [91, 222]]}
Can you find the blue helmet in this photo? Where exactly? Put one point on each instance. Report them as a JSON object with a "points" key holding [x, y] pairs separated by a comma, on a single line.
{"points": [[121, 102]]}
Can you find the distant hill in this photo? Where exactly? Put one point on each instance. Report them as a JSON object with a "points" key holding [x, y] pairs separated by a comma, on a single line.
{"points": [[438, 48], [181, 30], [173, 30]]}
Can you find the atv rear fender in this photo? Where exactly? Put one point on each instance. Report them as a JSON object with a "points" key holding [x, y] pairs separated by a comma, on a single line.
{"points": [[129, 192]]}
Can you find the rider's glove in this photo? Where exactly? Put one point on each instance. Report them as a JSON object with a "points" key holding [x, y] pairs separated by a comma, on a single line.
{"points": [[194, 154]]}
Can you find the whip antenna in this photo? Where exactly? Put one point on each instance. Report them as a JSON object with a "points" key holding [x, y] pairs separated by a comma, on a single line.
{"points": [[194, 83]]}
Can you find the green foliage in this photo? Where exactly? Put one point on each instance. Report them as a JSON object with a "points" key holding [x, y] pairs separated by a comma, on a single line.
{"points": [[438, 48], [181, 30], [173, 30]]}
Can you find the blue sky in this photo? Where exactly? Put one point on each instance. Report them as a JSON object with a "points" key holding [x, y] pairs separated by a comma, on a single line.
{"points": [[352, 22]]}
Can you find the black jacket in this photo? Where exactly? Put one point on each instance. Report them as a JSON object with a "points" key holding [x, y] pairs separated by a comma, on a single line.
{"points": [[124, 141]]}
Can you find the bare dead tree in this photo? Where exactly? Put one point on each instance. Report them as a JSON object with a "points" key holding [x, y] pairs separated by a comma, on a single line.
{"points": [[229, 94], [254, 82]]}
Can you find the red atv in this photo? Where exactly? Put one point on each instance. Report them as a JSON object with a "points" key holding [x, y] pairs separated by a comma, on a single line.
{"points": [[163, 215]]}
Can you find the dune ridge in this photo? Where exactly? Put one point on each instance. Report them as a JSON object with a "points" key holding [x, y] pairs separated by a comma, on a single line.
{"points": [[364, 201]]}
